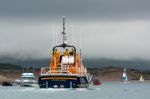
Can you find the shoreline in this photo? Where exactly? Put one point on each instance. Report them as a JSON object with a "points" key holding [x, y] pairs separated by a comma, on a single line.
{"points": [[104, 74]]}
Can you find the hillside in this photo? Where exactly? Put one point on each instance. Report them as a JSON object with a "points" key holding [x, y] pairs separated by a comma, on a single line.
{"points": [[115, 74], [9, 72], [8, 66]]}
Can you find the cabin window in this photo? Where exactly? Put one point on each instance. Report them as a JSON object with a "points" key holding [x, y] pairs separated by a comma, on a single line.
{"points": [[28, 78]]}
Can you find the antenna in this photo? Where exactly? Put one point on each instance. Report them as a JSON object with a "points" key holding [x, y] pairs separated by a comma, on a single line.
{"points": [[53, 36], [63, 33], [80, 57], [23, 70], [33, 69]]}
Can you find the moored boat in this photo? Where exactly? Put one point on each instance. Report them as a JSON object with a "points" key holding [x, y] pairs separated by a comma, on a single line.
{"points": [[7, 83], [27, 80], [124, 76], [96, 82], [66, 69]]}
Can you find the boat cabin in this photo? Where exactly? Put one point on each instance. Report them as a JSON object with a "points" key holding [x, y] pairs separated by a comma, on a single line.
{"points": [[65, 60]]}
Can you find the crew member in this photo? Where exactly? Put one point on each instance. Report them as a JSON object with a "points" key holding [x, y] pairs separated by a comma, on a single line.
{"points": [[57, 55], [72, 52], [66, 53]]}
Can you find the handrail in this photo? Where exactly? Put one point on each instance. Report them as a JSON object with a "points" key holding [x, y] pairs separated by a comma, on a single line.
{"points": [[63, 70]]}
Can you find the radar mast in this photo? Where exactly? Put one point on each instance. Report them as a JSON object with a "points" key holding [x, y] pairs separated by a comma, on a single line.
{"points": [[64, 33]]}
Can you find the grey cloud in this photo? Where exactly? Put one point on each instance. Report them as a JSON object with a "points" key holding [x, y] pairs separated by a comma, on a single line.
{"points": [[99, 9], [110, 39], [117, 29]]}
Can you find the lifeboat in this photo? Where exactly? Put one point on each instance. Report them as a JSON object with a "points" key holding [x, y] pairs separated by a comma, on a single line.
{"points": [[66, 69]]}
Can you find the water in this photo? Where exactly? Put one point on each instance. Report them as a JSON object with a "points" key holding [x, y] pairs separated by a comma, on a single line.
{"points": [[108, 90]]}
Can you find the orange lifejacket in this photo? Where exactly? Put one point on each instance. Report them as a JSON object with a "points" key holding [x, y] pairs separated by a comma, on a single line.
{"points": [[66, 53]]}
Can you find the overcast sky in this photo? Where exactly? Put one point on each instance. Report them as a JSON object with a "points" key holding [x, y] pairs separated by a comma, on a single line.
{"points": [[116, 29]]}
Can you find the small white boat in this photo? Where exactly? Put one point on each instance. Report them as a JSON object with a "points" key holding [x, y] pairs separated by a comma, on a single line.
{"points": [[141, 78], [27, 79], [124, 76]]}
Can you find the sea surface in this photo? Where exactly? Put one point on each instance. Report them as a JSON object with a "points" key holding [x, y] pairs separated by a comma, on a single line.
{"points": [[108, 90]]}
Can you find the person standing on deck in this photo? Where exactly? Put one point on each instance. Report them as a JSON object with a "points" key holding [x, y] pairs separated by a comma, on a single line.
{"points": [[66, 53], [72, 52], [71, 56], [65, 57], [57, 55]]}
